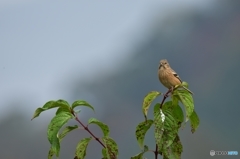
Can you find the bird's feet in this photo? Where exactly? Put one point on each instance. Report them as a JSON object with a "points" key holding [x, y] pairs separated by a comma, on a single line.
{"points": [[166, 95], [169, 91]]}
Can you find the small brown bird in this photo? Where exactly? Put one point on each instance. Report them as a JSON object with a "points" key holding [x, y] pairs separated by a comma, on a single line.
{"points": [[168, 77]]}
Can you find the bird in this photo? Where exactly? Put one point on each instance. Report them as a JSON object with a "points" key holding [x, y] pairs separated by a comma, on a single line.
{"points": [[168, 77]]}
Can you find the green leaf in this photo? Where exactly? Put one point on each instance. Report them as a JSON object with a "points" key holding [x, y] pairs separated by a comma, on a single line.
{"points": [[37, 112], [63, 109], [166, 126], [186, 99], [140, 155], [174, 151], [141, 130], [58, 103], [159, 119], [148, 99], [176, 111], [55, 125], [103, 126], [170, 128], [104, 153], [81, 103], [66, 131], [81, 148], [194, 121], [175, 100], [185, 84], [111, 147], [145, 149], [49, 105], [50, 153]]}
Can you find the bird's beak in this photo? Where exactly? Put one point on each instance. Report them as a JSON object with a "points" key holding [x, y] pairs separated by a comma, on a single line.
{"points": [[160, 65]]}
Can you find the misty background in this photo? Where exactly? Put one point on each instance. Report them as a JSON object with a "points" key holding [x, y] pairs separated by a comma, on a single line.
{"points": [[107, 53]]}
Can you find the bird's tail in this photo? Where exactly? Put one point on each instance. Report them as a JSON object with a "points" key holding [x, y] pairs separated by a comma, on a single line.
{"points": [[187, 89]]}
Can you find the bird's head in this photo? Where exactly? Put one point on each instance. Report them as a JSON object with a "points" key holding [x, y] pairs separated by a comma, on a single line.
{"points": [[163, 64]]}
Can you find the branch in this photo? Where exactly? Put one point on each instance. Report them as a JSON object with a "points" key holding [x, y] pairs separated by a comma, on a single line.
{"points": [[156, 152], [86, 128], [96, 138], [165, 97]]}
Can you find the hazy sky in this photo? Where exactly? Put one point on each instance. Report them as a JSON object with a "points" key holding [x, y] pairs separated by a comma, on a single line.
{"points": [[43, 42]]}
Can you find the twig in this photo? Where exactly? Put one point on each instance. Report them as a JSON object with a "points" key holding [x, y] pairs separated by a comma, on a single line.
{"points": [[86, 128], [156, 152], [164, 97]]}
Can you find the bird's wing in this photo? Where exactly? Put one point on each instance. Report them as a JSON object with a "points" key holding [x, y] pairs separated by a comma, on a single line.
{"points": [[176, 75]]}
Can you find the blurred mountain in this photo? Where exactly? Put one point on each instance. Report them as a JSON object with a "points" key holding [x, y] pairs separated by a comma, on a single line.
{"points": [[203, 47]]}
